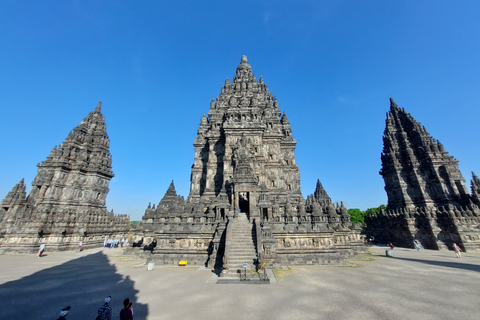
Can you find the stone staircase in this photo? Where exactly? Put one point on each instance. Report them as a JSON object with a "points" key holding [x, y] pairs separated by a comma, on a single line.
{"points": [[242, 247]]}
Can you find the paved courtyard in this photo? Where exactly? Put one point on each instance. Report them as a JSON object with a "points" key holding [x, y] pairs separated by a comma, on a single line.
{"points": [[410, 285]]}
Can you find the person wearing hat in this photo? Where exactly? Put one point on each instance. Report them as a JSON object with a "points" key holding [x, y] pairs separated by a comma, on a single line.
{"points": [[105, 311], [64, 313]]}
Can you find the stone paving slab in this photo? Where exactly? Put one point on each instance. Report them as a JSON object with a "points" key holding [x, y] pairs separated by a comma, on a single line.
{"points": [[409, 285]]}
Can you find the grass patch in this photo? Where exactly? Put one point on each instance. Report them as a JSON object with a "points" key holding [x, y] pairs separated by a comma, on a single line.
{"points": [[281, 273]]}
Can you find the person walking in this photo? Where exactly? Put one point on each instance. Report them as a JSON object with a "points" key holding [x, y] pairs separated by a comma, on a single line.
{"points": [[127, 312], [41, 250], [105, 311], [457, 250], [415, 242]]}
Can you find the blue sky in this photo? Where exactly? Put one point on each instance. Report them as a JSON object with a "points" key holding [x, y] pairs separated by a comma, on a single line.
{"points": [[156, 65]]}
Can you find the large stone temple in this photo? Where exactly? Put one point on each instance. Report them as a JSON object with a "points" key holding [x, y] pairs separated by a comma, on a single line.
{"points": [[428, 199], [245, 203], [66, 203]]}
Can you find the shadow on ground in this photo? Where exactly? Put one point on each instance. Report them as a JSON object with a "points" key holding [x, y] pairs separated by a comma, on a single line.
{"points": [[82, 284], [448, 264]]}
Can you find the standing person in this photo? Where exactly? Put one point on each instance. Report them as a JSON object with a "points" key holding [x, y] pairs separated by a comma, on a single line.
{"points": [[391, 246], [80, 246], [41, 250], [64, 313], [105, 311], [457, 250], [127, 312], [415, 242]]}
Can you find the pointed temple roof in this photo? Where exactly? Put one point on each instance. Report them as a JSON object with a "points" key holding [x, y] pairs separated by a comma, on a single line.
{"points": [[170, 197], [320, 194], [86, 148], [412, 157], [245, 91], [244, 115], [403, 132], [18, 195]]}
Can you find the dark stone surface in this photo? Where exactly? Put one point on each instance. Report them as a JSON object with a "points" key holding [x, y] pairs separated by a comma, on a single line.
{"points": [[428, 199], [244, 161], [66, 203]]}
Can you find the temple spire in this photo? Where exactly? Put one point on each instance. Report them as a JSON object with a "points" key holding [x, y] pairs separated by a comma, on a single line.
{"points": [[86, 147], [17, 195], [320, 194], [409, 148]]}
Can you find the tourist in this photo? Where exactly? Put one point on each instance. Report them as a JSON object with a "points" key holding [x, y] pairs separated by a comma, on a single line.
{"points": [[64, 313], [391, 246], [105, 311], [415, 242], [457, 250], [80, 246], [127, 312], [41, 250]]}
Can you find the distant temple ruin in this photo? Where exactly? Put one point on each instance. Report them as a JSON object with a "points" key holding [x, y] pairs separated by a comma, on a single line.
{"points": [[428, 199], [245, 204], [66, 203]]}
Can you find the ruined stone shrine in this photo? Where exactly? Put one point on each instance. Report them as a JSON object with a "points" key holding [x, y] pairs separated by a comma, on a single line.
{"points": [[428, 199], [245, 203], [66, 203]]}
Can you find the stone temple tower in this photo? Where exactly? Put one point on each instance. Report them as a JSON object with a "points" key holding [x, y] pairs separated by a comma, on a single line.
{"points": [[245, 194], [67, 201], [428, 199], [244, 146], [416, 168]]}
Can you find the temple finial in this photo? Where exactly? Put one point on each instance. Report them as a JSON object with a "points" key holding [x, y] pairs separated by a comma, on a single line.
{"points": [[393, 104]]}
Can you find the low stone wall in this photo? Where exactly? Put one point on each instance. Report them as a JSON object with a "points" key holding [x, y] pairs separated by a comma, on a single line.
{"points": [[172, 257], [28, 244], [435, 228]]}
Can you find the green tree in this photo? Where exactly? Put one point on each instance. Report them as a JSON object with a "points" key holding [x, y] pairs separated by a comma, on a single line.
{"points": [[375, 210], [356, 215]]}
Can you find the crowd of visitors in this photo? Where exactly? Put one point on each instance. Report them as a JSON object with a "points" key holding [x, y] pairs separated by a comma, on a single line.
{"points": [[115, 243], [105, 311]]}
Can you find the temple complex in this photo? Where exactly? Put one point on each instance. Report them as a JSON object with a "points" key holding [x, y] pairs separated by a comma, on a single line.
{"points": [[66, 203], [245, 203], [428, 199]]}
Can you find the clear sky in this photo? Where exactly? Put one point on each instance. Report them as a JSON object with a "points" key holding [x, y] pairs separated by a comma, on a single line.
{"points": [[156, 65]]}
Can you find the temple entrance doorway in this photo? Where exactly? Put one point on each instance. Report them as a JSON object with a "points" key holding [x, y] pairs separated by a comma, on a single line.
{"points": [[243, 202]]}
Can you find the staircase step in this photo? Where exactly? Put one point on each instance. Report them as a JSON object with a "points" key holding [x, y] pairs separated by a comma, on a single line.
{"points": [[242, 247]]}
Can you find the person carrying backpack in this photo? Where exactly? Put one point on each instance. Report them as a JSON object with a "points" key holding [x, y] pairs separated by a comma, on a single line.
{"points": [[105, 311]]}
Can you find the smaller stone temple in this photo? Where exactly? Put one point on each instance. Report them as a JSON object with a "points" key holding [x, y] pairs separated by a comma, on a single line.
{"points": [[66, 203], [428, 199], [245, 203]]}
